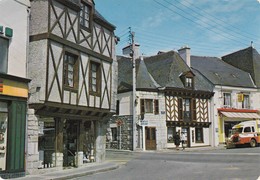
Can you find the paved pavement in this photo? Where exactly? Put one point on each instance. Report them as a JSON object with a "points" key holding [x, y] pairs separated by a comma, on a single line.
{"points": [[114, 159]]}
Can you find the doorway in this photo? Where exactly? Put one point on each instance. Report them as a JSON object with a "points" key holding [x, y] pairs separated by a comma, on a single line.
{"points": [[150, 138], [186, 132], [70, 143]]}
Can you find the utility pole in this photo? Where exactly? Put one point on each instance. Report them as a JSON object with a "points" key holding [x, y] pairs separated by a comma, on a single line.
{"points": [[134, 91]]}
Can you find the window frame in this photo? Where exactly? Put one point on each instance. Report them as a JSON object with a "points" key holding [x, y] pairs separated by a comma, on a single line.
{"points": [[66, 71], [83, 15], [227, 102], [98, 81], [201, 135], [4, 62], [189, 82], [153, 106], [114, 134], [246, 101]]}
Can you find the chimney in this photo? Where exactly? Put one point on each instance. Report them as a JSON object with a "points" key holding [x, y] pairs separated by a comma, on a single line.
{"points": [[128, 50], [185, 54]]}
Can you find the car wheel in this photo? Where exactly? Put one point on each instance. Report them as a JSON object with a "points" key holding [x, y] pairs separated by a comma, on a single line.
{"points": [[253, 143]]}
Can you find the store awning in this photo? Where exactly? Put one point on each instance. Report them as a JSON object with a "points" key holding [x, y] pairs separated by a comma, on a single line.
{"points": [[241, 115]]}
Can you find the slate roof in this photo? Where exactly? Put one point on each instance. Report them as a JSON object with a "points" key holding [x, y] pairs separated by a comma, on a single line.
{"points": [[220, 73], [248, 60], [162, 70]]}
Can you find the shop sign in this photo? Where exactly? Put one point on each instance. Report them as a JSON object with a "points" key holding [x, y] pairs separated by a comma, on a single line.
{"points": [[144, 123]]}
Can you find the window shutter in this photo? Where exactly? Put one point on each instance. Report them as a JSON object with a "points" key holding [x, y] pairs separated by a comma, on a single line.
{"points": [[193, 109], [156, 106], [180, 109], [117, 107], [142, 106]]}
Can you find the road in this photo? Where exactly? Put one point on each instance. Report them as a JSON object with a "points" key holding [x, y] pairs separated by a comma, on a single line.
{"points": [[231, 164]]}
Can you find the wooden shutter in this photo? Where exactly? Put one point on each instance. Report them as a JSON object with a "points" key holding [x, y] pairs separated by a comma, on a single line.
{"points": [[142, 106], [156, 106], [193, 109], [180, 109]]}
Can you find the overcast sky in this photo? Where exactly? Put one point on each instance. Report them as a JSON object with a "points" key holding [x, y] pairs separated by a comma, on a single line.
{"points": [[208, 27]]}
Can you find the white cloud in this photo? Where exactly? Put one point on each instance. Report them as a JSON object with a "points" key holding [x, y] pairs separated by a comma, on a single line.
{"points": [[258, 1]]}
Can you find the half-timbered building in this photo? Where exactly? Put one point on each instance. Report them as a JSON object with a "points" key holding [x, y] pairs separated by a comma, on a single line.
{"points": [[72, 93], [170, 97]]}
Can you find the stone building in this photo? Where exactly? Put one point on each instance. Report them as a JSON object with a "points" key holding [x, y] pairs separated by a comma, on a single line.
{"points": [[13, 86], [170, 97], [72, 94]]}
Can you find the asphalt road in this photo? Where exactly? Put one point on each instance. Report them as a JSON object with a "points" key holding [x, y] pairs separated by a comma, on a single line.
{"points": [[228, 164]]}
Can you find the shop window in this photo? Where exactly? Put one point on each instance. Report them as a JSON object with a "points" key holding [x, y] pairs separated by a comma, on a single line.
{"points": [[245, 102], [3, 135], [149, 106], [95, 78], [114, 134], [227, 99], [46, 144], [199, 135], [70, 71], [171, 131], [4, 47]]}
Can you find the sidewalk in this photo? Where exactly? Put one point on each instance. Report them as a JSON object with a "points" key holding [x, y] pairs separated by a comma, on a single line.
{"points": [[87, 169], [115, 158]]}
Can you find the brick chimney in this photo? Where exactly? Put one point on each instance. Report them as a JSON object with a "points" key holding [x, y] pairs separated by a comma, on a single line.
{"points": [[184, 52]]}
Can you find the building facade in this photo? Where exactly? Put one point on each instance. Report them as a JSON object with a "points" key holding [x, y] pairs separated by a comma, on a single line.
{"points": [[170, 97], [236, 98], [13, 86], [72, 94]]}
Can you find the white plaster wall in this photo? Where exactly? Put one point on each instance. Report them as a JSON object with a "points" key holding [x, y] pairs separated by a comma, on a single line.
{"points": [[39, 17], [125, 100], [14, 14], [37, 70]]}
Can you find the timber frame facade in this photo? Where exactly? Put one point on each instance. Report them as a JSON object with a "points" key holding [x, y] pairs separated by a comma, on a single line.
{"points": [[72, 67], [171, 97]]}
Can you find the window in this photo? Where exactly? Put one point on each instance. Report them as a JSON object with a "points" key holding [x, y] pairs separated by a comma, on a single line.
{"points": [[95, 78], [85, 16], [156, 106], [247, 129], [70, 71], [184, 108], [245, 103], [188, 82], [227, 100], [199, 135], [171, 132], [117, 107], [149, 106], [114, 134], [4, 46]]}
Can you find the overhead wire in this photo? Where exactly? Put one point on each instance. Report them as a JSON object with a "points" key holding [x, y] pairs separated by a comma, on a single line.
{"points": [[189, 19]]}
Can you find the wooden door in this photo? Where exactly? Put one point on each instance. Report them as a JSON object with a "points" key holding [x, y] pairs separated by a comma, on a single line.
{"points": [[150, 138]]}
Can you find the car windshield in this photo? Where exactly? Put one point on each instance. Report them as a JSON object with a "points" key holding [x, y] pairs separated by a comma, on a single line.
{"points": [[237, 130]]}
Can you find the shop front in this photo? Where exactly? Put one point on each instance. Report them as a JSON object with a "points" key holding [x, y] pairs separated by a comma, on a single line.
{"points": [[230, 117], [13, 107]]}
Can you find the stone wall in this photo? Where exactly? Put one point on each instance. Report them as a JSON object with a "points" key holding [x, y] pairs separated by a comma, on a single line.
{"points": [[32, 154], [126, 133]]}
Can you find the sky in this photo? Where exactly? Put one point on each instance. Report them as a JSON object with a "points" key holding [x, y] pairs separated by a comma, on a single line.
{"points": [[209, 27]]}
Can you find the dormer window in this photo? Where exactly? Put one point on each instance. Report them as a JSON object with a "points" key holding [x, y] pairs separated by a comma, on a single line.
{"points": [[187, 79], [85, 16], [188, 82]]}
